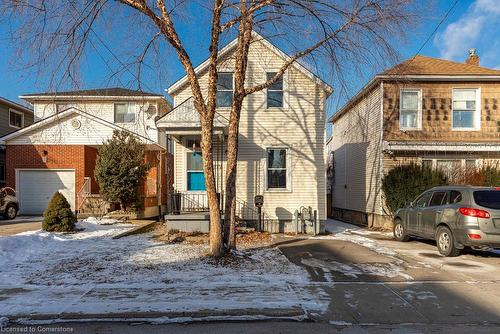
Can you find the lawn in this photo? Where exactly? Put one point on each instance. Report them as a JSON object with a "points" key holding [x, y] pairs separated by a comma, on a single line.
{"points": [[89, 273]]}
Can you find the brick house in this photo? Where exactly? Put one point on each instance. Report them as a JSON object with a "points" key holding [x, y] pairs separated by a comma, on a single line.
{"points": [[58, 152], [434, 112], [13, 116]]}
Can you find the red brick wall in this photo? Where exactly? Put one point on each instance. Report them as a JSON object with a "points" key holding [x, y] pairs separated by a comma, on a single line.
{"points": [[59, 157], [81, 158]]}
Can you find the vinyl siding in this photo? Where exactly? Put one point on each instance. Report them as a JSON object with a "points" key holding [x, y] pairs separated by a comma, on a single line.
{"points": [[5, 128], [299, 126], [90, 132], [358, 155]]}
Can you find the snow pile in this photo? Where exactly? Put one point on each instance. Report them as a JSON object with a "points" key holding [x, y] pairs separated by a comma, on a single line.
{"points": [[100, 221], [89, 272]]}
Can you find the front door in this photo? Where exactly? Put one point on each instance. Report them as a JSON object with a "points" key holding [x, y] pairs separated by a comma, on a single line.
{"points": [[195, 175]]}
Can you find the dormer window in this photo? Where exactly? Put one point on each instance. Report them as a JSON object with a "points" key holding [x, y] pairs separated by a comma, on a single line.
{"points": [[225, 90], [124, 113]]}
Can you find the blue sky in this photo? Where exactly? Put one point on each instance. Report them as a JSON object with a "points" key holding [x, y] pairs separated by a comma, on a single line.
{"points": [[471, 24]]}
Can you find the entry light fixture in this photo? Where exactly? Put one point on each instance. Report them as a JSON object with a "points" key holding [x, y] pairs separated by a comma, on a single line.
{"points": [[45, 155]]}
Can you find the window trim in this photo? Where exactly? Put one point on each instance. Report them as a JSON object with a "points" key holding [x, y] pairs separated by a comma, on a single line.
{"points": [[283, 89], [22, 118], [129, 105], [419, 109], [216, 90], [288, 169], [477, 113]]}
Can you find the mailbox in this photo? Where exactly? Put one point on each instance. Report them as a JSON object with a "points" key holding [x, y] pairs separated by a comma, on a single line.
{"points": [[259, 201]]}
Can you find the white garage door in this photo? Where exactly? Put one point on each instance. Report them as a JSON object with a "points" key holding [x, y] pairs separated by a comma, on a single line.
{"points": [[36, 188]]}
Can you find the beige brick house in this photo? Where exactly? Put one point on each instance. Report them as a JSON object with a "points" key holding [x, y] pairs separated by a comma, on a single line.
{"points": [[431, 111]]}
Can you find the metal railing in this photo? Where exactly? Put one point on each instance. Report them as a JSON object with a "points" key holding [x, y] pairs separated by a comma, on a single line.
{"points": [[245, 213]]}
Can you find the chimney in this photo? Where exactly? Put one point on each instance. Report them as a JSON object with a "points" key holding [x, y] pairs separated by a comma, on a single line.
{"points": [[473, 58]]}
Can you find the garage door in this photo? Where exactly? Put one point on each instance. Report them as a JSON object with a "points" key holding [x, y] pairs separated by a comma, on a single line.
{"points": [[36, 188]]}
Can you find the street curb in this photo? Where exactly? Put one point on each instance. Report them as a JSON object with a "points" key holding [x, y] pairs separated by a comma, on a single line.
{"points": [[202, 315]]}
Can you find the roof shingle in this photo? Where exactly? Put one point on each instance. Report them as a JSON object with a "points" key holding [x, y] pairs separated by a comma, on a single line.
{"points": [[114, 91], [423, 65]]}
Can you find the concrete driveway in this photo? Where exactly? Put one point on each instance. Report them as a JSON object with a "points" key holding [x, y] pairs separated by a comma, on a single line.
{"points": [[20, 224], [374, 280]]}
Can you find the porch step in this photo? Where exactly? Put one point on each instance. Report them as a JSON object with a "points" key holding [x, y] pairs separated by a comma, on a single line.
{"points": [[189, 222]]}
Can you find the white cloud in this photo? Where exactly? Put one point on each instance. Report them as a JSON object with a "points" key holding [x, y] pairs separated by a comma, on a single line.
{"points": [[468, 31]]}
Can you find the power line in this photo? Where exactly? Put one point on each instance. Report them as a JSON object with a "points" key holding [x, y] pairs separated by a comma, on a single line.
{"points": [[435, 29]]}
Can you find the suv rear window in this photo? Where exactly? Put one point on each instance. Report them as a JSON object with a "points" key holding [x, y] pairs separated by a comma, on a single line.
{"points": [[488, 198]]}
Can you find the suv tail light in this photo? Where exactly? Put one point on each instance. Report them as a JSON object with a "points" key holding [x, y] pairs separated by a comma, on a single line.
{"points": [[471, 212]]}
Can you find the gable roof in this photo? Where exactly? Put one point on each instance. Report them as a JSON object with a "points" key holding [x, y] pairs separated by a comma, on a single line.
{"points": [[99, 93], [15, 105], [423, 65], [58, 116], [423, 68], [229, 47]]}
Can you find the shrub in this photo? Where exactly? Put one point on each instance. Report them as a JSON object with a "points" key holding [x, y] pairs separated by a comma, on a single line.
{"points": [[120, 168], [488, 176], [58, 217], [404, 183]]}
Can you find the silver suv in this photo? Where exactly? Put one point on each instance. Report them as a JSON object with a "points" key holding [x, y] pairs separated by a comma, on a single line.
{"points": [[454, 216], [8, 203]]}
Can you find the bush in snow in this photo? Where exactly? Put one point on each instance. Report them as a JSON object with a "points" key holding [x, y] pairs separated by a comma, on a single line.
{"points": [[58, 217], [120, 169], [404, 183]]}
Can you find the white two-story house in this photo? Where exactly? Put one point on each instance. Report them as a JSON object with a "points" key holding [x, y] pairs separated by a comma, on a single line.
{"points": [[281, 137], [58, 151]]}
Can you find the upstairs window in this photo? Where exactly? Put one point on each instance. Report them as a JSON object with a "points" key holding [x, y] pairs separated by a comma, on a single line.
{"points": [[277, 168], [465, 109], [410, 111], [224, 90], [124, 113], [275, 92], [16, 119]]}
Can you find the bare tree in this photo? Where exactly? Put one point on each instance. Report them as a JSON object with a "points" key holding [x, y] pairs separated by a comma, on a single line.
{"points": [[337, 34]]}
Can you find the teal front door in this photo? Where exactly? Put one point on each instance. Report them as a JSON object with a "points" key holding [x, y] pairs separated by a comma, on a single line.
{"points": [[195, 175]]}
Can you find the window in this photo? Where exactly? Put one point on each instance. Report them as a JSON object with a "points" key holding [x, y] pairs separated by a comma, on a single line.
{"points": [[427, 163], [277, 168], [438, 198], [465, 107], [275, 92], [448, 166], [422, 201], [2, 172], [455, 197], [224, 90], [488, 198], [470, 164], [195, 175], [124, 113], [16, 119], [410, 109]]}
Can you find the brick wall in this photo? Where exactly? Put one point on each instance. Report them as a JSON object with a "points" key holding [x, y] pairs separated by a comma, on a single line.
{"points": [[59, 157], [81, 158]]}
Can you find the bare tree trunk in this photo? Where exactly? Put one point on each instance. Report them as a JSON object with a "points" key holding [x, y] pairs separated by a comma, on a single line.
{"points": [[216, 242]]}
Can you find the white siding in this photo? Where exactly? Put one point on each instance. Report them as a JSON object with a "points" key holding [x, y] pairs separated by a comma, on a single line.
{"points": [[299, 126], [90, 132], [358, 153]]}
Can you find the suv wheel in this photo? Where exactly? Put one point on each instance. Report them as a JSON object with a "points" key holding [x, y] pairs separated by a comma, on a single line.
{"points": [[399, 231], [446, 242], [10, 212]]}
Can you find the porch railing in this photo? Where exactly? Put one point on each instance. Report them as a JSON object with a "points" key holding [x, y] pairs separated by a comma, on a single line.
{"points": [[198, 202]]}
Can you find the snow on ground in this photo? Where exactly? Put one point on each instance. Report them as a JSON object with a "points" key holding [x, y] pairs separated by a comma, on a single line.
{"points": [[346, 232], [89, 272]]}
